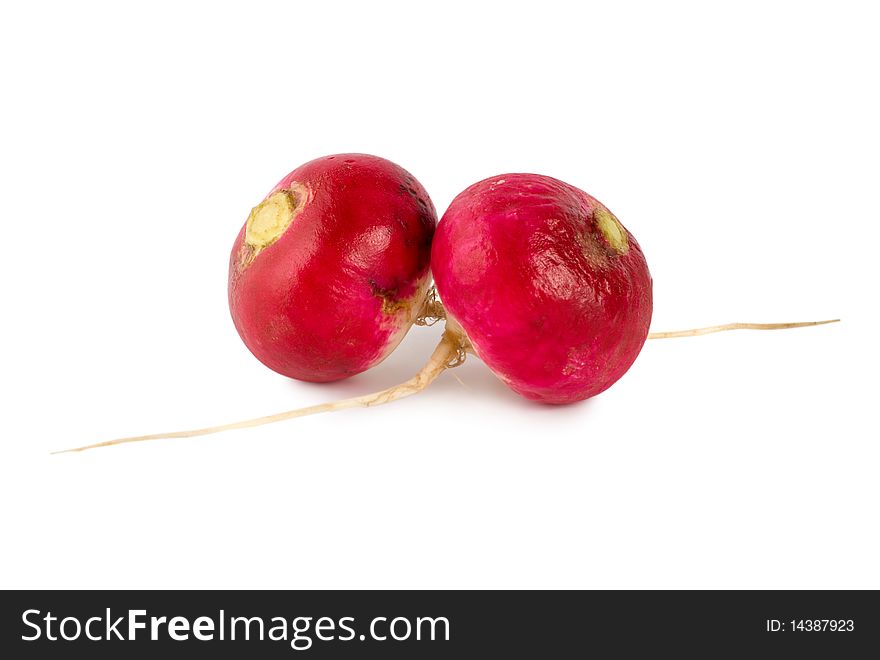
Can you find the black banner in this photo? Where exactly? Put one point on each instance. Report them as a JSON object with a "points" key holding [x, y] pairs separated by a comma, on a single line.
{"points": [[438, 624]]}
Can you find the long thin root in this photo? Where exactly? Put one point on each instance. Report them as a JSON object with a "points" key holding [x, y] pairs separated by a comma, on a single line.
{"points": [[450, 352], [696, 332], [447, 354]]}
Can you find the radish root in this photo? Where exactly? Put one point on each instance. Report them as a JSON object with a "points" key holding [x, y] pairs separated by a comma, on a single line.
{"points": [[432, 310], [449, 353], [696, 332]]}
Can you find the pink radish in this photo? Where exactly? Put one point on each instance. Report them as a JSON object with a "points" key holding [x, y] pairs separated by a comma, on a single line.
{"points": [[552, 292]]}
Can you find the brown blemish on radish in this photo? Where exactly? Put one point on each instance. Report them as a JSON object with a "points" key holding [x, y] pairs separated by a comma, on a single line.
{"points": [[391, 302], [391, 305]]}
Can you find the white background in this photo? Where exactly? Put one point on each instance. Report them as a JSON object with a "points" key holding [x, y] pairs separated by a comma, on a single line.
{"points": [[739, 144]]}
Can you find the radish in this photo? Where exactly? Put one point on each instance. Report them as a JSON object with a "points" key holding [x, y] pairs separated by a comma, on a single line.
{"points": [[331, 268], [551, 291], [539, 280]]}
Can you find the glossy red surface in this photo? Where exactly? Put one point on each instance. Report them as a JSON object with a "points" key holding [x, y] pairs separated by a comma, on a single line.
{"points": [[341, 286], [550, 306]]}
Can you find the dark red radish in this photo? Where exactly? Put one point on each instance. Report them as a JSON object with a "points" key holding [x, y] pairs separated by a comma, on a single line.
{"points": [[550, 289], [330, 270]]}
